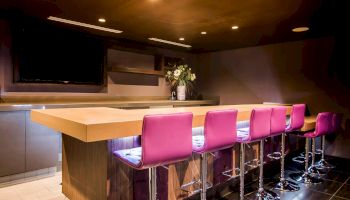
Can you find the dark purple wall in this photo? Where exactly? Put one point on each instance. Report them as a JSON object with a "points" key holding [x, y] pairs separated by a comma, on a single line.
{"points": [[293, 72]]}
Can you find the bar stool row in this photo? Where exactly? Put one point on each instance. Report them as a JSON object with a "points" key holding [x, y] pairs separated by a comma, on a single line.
{"points": [[168, 138]]}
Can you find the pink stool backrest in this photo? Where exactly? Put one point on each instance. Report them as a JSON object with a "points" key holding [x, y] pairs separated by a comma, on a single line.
{"points": [[166, 138], [259, 124], [219, 130], [336, 122], [297, 117], [278, 120], [323, 124]]}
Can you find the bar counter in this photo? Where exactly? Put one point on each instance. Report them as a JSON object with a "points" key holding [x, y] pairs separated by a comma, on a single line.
{"points": [[17, 106], [90, 135]]}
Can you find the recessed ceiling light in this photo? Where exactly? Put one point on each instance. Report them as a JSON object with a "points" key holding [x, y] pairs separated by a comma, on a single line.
{"points": [[170, 42], [235, 27], [102, 20], [203, 32], [83, 24], [181, 38], [300, 29]]}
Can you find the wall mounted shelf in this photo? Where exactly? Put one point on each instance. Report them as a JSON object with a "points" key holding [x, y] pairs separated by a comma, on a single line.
{"points": [[137, 71]]}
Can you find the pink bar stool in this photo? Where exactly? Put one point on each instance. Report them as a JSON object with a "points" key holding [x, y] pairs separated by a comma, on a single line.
{"points": [[323, 126], [336, 126], [219, 132], [295, 123], [166, 139], [259, 129]]}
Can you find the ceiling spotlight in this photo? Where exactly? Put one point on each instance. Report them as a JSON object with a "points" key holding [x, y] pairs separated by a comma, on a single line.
{"points": [[66, 21], [102, 20], [170, 42], [203, 33], [235, 27], [181, 38], [300, 29]]}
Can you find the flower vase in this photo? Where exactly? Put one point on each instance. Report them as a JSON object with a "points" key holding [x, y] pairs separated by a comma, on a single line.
{"points": [[181, 92]]}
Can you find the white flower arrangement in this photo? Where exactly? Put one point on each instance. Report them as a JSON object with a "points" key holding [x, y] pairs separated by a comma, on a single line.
{"points": [[180, 75]]}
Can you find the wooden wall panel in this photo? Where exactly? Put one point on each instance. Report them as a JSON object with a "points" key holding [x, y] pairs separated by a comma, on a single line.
{"points": [[84, 169], [119, 175]]}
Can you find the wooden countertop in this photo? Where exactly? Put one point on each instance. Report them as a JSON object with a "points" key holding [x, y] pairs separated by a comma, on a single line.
{"points": [[115, 104], [309, 123], [97, 124]]}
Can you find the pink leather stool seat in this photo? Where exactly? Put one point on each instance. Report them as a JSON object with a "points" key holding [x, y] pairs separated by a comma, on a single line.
{"points": [[259, 126], [219, 132], [322, 164], [166, 138], [131, 156], [258, 129], [323, 126]]}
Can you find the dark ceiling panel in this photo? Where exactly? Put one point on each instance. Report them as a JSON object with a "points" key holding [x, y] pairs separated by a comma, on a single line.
{"points": [[260, 22]]}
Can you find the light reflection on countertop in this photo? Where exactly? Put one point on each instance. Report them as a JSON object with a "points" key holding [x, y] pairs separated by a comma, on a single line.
{"points": [[115, 104]]}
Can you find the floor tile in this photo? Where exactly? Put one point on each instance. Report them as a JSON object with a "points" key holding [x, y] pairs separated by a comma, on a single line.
{"points": [[43, 189], [50, 188], [335, 175], [338, 198], [311, 195], [329, 187], [344, 191]]}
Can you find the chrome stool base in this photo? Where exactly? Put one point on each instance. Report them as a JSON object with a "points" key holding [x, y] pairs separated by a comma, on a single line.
{"points": [[305, 178], [314, 171], [287, 186], [266, 195], [322, 164]]}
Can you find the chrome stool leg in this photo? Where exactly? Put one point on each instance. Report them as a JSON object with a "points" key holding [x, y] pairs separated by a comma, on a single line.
{"points": [[305, 177], [323, 164], [313, 170], [204, 167], [284, 184], [262, 194], [242, 169], [202, 183], [152, 186]]}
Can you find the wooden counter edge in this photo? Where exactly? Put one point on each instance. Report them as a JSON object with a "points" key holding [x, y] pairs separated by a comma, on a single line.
{"points": [[61, 125]]}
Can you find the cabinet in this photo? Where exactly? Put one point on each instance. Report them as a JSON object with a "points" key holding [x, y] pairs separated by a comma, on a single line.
{"points": [[12, 142], [41, 145], [25, 145]]}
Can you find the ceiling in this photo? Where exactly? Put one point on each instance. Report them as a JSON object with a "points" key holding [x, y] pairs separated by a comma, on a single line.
{"points": [[260, 22]]}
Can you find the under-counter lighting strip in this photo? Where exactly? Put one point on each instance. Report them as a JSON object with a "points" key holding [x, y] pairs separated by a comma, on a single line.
{"points": [[170, 42], [57, 19]]}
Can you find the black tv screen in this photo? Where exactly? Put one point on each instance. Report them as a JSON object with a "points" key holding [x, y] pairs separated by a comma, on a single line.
{"points": [[46, 53]]}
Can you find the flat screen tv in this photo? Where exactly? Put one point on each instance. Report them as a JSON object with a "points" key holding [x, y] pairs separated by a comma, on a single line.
{"points": [[46, 53]]}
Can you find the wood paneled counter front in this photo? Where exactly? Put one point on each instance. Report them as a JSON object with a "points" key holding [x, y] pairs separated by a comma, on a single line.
{"points": [[90, 135]]}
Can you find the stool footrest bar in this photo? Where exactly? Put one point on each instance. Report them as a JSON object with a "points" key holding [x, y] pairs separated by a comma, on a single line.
{"points": [[275, 155], [299, 159], [228, 173]]}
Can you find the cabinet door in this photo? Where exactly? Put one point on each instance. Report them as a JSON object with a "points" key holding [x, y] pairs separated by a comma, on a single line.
{"points": [[41, 145], [12, 143]]}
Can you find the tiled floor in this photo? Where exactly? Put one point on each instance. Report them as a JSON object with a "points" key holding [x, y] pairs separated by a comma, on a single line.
{"points": [[336, 186], [43, 189]]}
